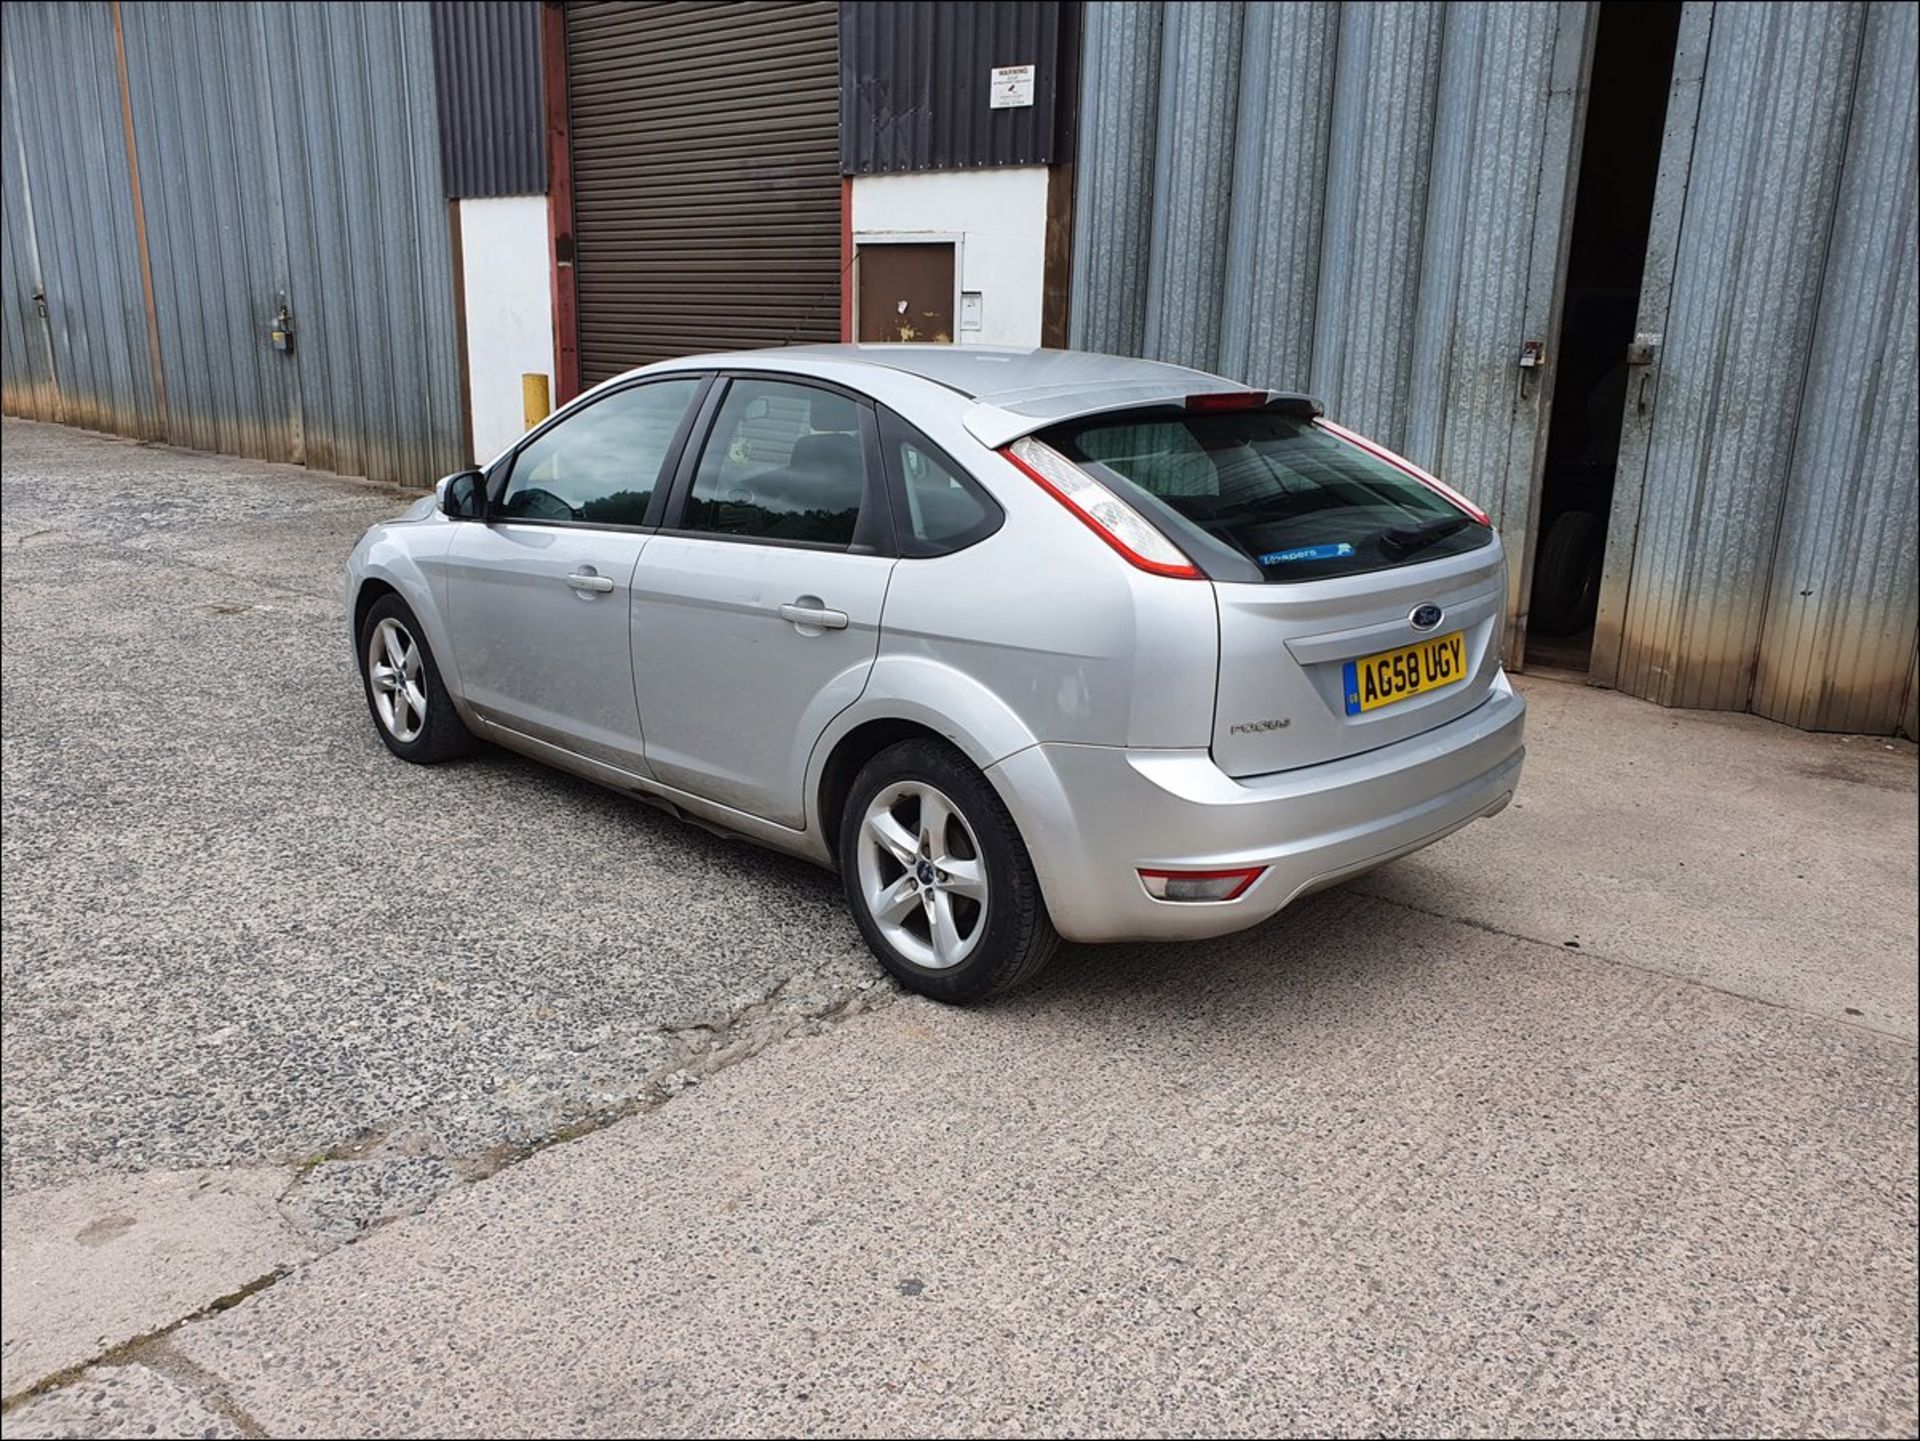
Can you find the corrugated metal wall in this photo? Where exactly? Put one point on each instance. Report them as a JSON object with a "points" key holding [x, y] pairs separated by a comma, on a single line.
{"points": [[63, 101], [288, 153], [914, 81], [1367, 201], [1774, 565], [492, 133]]}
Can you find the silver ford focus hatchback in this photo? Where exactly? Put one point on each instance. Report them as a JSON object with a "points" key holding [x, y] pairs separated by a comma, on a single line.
{"points": [[1029, 645]]}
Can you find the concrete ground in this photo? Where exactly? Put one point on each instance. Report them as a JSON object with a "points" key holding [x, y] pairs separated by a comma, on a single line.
{"points": [[344, 1097]]}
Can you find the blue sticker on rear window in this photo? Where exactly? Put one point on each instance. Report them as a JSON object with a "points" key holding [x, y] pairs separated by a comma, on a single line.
{"points": [[1306, 552]]}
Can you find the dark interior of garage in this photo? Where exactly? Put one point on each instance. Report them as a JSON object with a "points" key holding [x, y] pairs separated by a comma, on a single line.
{"points": [[1619, 160]]}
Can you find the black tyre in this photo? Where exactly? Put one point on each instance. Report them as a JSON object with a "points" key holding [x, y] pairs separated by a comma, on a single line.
{"points": [[1566, 575], [938, 877], [410, 707]]}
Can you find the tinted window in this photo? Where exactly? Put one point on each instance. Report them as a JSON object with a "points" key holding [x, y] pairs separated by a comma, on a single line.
{"points": [[783, 462], [944, 509], [1293, 498], [600, 465]]}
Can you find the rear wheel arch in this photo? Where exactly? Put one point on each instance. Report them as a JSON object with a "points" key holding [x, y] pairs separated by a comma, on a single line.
{"points": [[848, 754]]}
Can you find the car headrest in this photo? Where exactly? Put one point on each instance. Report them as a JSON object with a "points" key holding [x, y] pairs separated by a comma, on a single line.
{"points": [[834, 453], [828, 411]]}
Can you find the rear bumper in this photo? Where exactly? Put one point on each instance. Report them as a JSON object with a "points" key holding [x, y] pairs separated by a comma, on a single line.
{"points": [[1094, 816]]}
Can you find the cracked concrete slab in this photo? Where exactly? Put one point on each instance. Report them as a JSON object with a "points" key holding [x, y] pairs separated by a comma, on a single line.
{"points": [[116, 1401], [1452, 1184], [91, 1265]]}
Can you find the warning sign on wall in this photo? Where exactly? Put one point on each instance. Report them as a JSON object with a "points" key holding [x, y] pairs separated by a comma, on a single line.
{"points": [[1012, 87]]}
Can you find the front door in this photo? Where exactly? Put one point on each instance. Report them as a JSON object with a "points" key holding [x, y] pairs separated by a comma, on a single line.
{"points": [[538, 596], [757, 612]]}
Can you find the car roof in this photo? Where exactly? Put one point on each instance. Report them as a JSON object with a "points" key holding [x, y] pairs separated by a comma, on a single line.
{"points": [[1015, 389]]}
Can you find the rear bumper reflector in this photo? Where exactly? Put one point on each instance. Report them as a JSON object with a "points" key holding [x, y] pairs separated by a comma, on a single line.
{"points": [[1200, 885]]}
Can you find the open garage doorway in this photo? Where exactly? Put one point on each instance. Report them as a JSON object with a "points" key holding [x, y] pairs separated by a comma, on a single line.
{"points": [[1619, 159]]}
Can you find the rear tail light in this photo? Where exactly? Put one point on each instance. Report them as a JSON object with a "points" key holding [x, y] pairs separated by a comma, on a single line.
{"points": [[1200, 885], [1100, 510], [1400, 462]]}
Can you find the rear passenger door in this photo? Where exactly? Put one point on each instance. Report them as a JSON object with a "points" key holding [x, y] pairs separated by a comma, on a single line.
{"points": [[756, 610]]}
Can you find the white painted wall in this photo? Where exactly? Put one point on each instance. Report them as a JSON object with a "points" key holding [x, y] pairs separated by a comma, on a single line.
{"points": [[998, 216], [503, 244]]}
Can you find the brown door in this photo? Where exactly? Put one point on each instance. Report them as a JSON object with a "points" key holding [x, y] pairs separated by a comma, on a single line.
{"points": [[906, 292], [706, 177]]}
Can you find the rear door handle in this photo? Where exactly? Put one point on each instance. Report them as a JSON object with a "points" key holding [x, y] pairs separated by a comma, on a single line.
{"points": [[587, 580], [814, 615]]}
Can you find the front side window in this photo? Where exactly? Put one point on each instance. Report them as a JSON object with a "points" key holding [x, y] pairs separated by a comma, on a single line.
{"points": [[1286, 494], [600, 465], [783, 462]]}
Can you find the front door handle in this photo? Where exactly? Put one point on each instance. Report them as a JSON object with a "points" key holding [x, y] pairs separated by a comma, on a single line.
{"points": [[587, 580], [814, 615]]}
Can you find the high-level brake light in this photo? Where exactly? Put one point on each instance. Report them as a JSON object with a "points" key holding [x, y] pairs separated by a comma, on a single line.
{"points": [[1100, 510], [1215, 400]]}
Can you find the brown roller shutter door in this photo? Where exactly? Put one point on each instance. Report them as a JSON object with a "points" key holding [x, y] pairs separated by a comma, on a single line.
{"points": [[706, 178]]}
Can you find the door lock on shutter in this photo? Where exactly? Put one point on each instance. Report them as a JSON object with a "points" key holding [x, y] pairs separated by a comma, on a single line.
{"points": [[282, 332]]}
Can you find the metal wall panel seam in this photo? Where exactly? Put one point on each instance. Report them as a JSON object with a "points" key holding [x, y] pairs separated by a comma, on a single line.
{"points": [[1192, 181], [1289, 57], [1442, 256], [1119, 109], [280, 242], [1378, 171], [140, 223]]}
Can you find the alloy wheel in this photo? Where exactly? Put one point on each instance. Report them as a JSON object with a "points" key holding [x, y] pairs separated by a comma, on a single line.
{"points": [[922, 876], [393, 675]]}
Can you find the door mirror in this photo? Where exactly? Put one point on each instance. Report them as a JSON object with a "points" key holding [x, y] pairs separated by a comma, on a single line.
{"points": [[463, 495]]}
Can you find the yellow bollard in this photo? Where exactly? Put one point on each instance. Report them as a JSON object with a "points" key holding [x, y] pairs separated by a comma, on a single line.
{"points": [[534, 399]]}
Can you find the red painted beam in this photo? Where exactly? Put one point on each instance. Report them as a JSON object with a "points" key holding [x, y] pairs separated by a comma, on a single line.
{"points": [[566, 303], [846, 258]]}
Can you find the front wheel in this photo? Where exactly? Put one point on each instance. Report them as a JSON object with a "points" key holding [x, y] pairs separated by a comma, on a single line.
{"points": [[938, 877], [410, 705]]}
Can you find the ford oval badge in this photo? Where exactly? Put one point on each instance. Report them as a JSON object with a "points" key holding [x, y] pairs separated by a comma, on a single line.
{"points": [[1425, 617]]}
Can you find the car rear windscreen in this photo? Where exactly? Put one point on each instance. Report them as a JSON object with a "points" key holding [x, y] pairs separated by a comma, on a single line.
{"points": [[1295, 500]]}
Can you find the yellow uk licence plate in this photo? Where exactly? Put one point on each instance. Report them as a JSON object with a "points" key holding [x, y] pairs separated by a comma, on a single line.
{"points": [[1393, 675]]}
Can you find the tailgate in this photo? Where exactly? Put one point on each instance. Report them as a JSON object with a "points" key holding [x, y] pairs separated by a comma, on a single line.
{"points": [[1286, 653]]}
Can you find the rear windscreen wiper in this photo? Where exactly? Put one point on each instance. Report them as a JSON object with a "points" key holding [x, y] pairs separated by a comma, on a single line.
{"points": [[1403, 541]]}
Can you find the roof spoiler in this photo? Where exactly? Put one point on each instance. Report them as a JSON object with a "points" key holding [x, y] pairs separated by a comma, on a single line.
{"points": [[994, 426]]}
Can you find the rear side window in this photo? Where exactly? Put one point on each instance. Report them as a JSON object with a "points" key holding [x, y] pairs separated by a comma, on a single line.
{"points": [[783, 462], [1292, 498], [939, 508]]}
